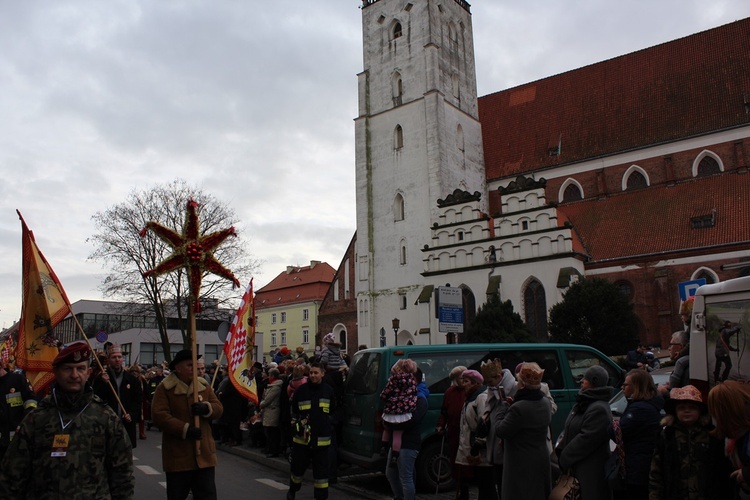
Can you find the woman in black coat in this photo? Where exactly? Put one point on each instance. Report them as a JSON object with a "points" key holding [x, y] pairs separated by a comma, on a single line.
{"points": [[640, 430], [584, 446]]}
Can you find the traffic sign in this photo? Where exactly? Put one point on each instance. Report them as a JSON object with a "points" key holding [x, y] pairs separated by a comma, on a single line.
{"points": [[102, 336], [687, 288]]}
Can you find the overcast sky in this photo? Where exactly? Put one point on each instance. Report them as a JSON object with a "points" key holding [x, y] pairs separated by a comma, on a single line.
{"points": [[251, 100]]}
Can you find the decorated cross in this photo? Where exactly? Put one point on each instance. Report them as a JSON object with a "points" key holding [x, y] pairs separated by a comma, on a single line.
{"points": [[191, 251]]}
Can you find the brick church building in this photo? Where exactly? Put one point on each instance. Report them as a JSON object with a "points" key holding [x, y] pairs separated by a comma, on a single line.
{"points": [[633, 169]]}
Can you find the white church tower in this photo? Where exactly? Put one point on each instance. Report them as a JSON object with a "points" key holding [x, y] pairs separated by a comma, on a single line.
{"points": [[418, 139]]}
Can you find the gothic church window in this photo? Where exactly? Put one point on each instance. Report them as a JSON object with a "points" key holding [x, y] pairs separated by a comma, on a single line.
{"points": [[535, 309], [572, 193], [397, 30], [398, 207], [402, 253], [635, 178], [708, 166], [398, 90], [398, 137]]}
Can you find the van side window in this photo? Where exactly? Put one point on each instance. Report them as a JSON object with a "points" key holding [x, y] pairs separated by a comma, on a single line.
{"points": [[580, 361], [363, 378], [548, 360], [437, 366]]}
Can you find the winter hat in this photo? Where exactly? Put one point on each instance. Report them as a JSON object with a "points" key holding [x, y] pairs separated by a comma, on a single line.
{"points": [[686, 394], [330, 338], [285, 351], [474, 376], [597, 376]]}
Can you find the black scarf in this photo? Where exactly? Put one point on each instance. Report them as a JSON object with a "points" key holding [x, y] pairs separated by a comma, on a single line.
{"points": [[528, 395]]}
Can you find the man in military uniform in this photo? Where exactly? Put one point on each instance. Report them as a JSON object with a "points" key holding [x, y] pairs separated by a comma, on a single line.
{"points": [[16, 399], [312, 430], [71, 446], [128, 390]]}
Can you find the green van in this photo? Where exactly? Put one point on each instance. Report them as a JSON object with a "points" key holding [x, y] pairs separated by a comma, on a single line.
{"points": [[564, 366]]}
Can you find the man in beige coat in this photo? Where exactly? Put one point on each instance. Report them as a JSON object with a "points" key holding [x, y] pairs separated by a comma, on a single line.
{"points": [[173, 411]]}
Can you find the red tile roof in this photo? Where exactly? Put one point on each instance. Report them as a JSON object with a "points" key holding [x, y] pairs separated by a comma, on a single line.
{"points": [[678, 89], [297, 284], [658, 219]]}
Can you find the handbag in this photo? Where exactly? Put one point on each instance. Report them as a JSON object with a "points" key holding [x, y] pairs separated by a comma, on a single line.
{"points": [[567, 487], [614, 469]]}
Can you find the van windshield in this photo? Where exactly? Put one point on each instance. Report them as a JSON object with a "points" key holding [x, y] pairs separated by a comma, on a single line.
{"points": [[363, 373]]}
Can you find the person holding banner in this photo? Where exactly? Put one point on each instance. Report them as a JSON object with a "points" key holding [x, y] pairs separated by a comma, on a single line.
{"points": [[173, 410]]}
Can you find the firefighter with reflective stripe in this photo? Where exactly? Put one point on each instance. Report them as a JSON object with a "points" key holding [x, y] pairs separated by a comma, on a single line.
{"points": [[16, 400], [312, 406]]}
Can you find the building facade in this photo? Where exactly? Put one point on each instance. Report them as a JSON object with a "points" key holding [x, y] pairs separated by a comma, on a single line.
{"points": [[633, 169], [286, 309]]}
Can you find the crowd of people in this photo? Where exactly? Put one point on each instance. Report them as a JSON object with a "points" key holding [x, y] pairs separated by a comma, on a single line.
{"points": [[668, 444]]}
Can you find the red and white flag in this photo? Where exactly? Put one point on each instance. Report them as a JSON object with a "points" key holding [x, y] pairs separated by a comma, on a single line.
{"points": [[240, 345]]}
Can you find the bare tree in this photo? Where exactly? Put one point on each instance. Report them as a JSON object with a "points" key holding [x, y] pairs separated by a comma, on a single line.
{"points": [[126, 255]]}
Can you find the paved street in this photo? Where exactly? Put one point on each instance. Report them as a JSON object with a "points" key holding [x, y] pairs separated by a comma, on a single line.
{"points": [[242, 469]]}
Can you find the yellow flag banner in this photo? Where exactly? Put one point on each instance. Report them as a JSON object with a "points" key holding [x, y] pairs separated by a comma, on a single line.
{"points": [[240, 345], [44, 306]]}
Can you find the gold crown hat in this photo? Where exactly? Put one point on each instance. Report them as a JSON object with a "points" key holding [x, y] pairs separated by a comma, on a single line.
{"points": [[115, 347], [491, 368], [531, 375]]}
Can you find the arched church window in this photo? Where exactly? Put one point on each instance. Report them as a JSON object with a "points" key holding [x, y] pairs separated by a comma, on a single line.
{"points": [[398, 90], [402, 253], [636, 180], [397, 30], [572, 193], [708, 166], [535, 309], [398, 137], [398, 207]]}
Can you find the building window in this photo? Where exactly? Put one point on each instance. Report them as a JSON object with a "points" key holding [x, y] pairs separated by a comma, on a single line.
{"points": [[460, 137], [460, 235], [305, 336], [335, 290], [273, 337], [283, 337], [635, 178], [153, 353], [211, 352], [402, 301], [706, 274], [398, 208], [305, 314], [707, 163], [283, 317], [625, 288], [535, 309], [525, 225], [398, 90], [572, 193], [273, 318], [402, 253], [397, 30], [398, 137]]}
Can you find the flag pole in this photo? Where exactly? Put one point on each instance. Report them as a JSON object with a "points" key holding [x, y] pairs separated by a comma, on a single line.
{"points": [[218, 365], [99, 363], [194, 354]]}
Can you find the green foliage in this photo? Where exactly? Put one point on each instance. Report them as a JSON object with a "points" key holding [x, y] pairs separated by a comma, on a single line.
{"points": [[594, 312], [496, 322]]}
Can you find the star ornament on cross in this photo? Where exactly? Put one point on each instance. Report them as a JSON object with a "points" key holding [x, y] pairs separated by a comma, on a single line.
{"points": [[192, 251]]}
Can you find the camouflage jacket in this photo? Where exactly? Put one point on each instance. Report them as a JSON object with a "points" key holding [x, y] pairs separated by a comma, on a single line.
{"points": [[98, 461]]}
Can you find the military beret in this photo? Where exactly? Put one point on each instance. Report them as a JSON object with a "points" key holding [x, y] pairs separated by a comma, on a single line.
{"points": [[76, 352]]}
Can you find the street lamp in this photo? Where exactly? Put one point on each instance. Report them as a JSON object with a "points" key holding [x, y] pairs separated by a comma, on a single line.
{"points": [[382, 337], [396, 323]]}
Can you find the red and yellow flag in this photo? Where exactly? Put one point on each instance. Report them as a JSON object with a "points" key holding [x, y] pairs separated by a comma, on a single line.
{"points": [[44, 306], [240, 345]]}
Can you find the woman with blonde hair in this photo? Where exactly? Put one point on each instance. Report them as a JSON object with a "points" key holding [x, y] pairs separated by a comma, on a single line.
{"points": [[729, 406]]}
